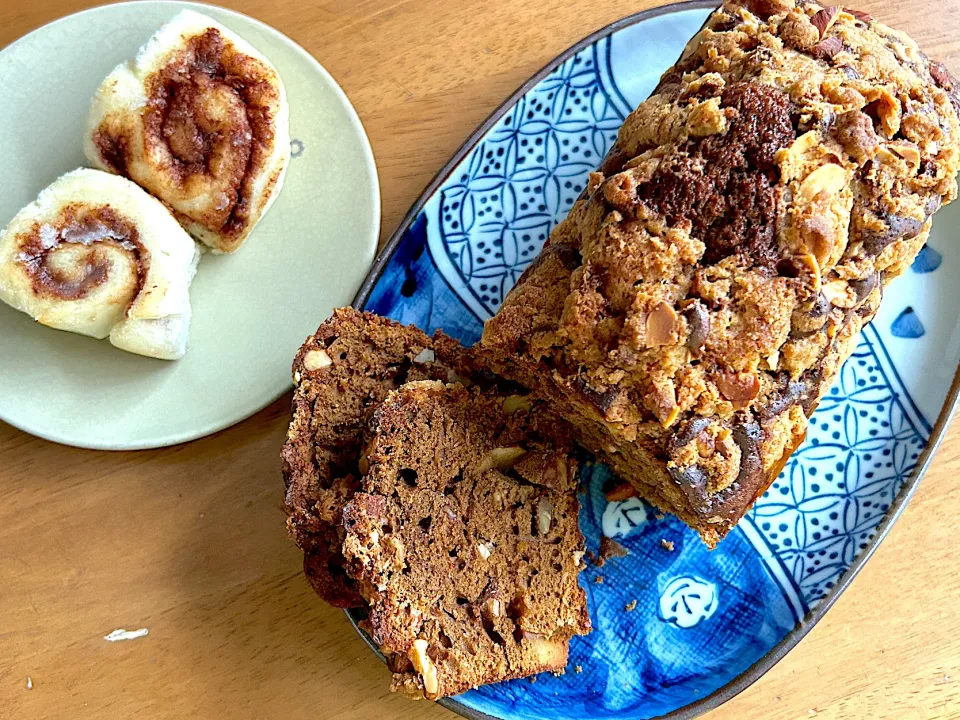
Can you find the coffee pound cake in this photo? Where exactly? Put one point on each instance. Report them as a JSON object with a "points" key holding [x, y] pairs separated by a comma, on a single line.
{"points": [[706, 287], [464, 538], [342, 373]]}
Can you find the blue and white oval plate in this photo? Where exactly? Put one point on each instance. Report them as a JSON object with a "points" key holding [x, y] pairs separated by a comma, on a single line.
{"points": [[705, 624]]}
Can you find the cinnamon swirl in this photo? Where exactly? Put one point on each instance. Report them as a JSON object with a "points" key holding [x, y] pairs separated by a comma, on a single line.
{"points": [[96, 255], [199, 119]]}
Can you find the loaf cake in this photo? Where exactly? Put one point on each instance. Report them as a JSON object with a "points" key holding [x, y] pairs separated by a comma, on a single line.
{"points": [[702, 294], [463, 538], [342, 372]]}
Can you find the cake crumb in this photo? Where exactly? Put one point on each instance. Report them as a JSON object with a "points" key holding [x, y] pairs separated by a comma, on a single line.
{"points": [[630, 606], [598, 579], [659, 516], [621, 492], [533, 678], [29, 683], [667, 545], [578, 669], [610, 548], [560, 673]]}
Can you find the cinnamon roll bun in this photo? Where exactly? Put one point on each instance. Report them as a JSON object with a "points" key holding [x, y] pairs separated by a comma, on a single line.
{"points": [[96, 255], [200, 119]]}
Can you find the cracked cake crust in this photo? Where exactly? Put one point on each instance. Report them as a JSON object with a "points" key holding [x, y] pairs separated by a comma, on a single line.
{"points": [[708, 284]]}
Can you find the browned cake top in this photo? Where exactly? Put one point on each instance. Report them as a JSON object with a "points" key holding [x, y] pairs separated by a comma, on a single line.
{"points": [[742, 226], [342, 372], [464, 538]]}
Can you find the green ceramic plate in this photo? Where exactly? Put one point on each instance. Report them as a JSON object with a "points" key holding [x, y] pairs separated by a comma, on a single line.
{"points": [[251, 310]]}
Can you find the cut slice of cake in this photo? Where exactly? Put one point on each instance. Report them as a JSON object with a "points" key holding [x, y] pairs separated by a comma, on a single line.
{"points": [[464, 538], [342, 372]]}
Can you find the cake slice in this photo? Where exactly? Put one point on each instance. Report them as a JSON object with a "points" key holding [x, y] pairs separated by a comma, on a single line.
{"points": [[342, 372], [464, 538], [707, 286]]}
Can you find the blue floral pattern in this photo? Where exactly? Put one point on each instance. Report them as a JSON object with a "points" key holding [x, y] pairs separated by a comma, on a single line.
{"points": [[687, 601], [908, 325], [927, 261], [524, 176], [862, 444], [673, 622]]}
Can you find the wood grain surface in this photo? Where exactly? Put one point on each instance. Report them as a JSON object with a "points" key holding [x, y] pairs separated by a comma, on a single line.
{"points": [[189, 541]]}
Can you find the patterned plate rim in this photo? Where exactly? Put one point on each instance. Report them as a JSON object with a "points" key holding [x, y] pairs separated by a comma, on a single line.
{"points": [[759, 668]]}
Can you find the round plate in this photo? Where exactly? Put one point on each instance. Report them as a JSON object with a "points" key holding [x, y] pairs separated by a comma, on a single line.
{"points": [[702, 625], [251, 310]]}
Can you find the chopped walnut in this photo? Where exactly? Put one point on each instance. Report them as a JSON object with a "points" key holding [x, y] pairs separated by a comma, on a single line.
{"points": [[824, 19], [316, 360], [826, 179], [516, 403], [502, 458], [544, 514], [661, 325], [424, 665]]}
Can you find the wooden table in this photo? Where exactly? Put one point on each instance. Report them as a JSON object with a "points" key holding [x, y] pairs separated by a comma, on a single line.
{"points": [[189, 541]]}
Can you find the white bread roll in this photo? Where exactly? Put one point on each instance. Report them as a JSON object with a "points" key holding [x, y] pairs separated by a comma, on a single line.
{"points": [[96, 255], [200, 119]]}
